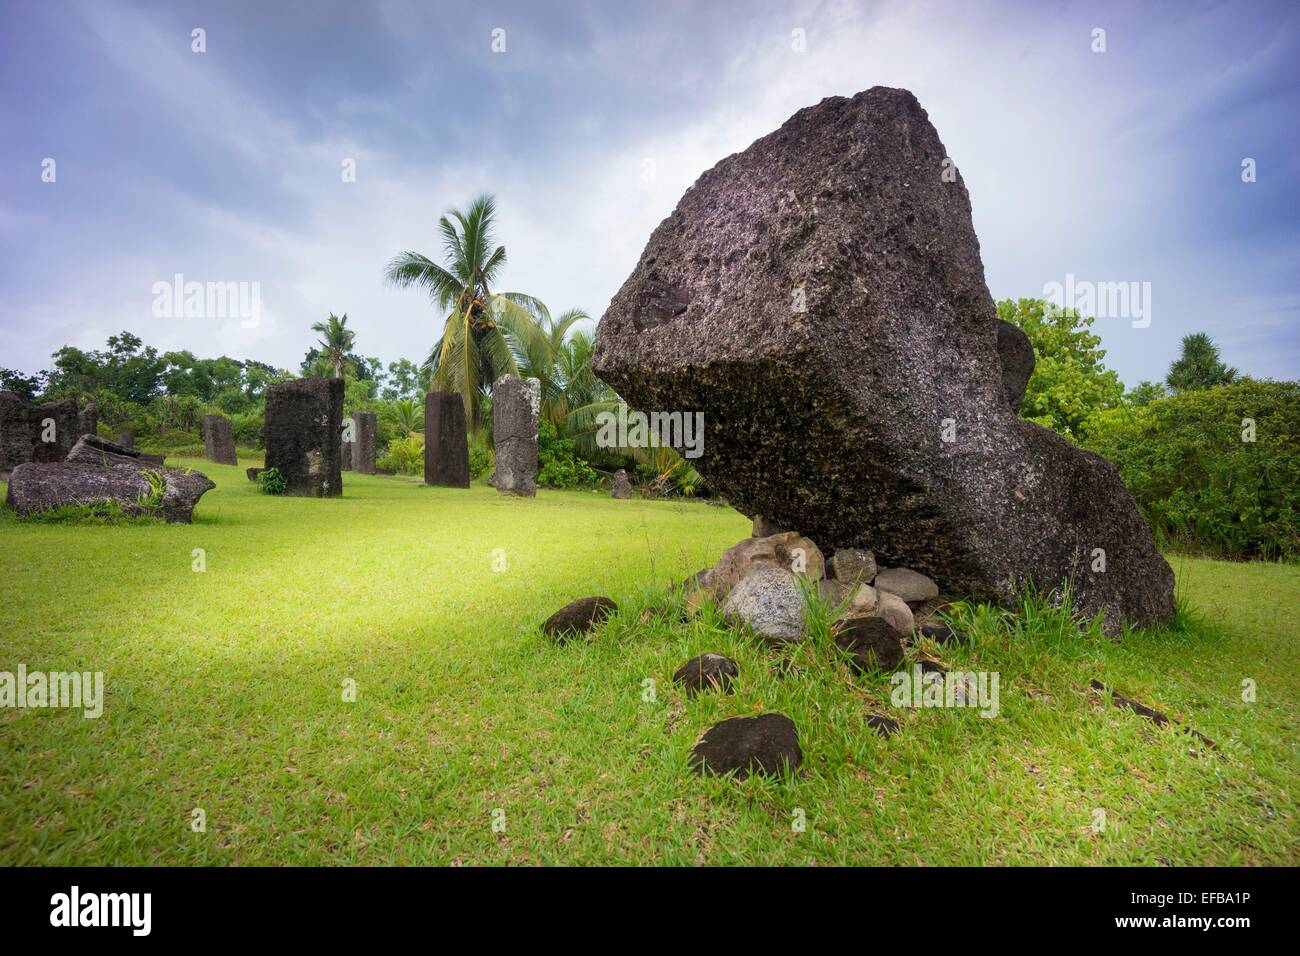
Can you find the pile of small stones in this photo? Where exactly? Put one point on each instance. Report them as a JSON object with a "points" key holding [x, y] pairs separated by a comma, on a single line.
{"points": [[759, 585]]}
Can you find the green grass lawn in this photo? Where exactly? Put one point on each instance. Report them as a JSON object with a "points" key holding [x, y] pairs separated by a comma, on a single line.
{"points": [[224, 693]]}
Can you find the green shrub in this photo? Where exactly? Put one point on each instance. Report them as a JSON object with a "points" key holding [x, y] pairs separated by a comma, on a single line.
{"points": [[558, 464], [1201, 482], [405, 456], [481, 459], [271, 481]]}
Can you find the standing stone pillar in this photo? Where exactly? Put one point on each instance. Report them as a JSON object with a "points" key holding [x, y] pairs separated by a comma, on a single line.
{"points": [[446, 448], [15, 432], [515, 403], [304, 419], [364, 427], [54, 429], [218, 442], [622, 487], [88, 420]]}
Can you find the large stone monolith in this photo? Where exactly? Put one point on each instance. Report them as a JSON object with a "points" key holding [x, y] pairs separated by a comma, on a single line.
{"points": [[218, 441], [515, 403], [446, 448], [28, 432], [364, 427], [38, 486], [303, 434], [821, 298]]}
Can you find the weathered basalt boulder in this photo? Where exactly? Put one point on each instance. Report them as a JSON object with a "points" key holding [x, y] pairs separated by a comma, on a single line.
{"points": [[304, 435], [37, 486], [789, 551], [446, 447], [853, 564], [90, 449], [770, 603], [218, 440], [821, 298], [515, 404], [1017, 357], [912, 586]]}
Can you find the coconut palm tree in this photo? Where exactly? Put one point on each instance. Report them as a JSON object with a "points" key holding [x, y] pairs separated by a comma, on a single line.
{"points": [[474, 350], [336, 341]]}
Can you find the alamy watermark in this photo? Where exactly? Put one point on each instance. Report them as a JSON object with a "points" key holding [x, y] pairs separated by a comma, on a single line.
{"points": [[76, 689], [632, 429], [1103, 300], [917, 688], [178, 299]]}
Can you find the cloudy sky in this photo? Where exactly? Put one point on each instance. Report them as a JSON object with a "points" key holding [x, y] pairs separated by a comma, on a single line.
{"points": [[227, 165]]}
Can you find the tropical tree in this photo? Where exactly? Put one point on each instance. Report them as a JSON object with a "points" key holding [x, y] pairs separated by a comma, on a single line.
{"points": [[407, 415], [474, 350], [336, 341], [1070, 382], [1199, 366]]}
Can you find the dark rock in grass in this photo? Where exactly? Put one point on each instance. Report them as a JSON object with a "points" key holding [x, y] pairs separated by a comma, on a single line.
{"points": [[515, 404], [253, 473], [852, 564], [885, 726], [126, 439], [821, 299], [707, 672], [873, 642], [931, 667], [304, 419], [940, 633], [38, 486], [1016, 355], [446, 447], [766, 745], [218, 440], [1150, 713], [578, 617], [621, 487], [92, 450], [364, 428]]}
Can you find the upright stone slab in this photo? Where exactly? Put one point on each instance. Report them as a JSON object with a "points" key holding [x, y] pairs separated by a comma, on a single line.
{"points": [[364, 427], [218, 441], [345, 445], [54, 429], [15, 435], [515, 403], [446, 448], [40, 433], [820, 298], [88, 420], [304, 420]]}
